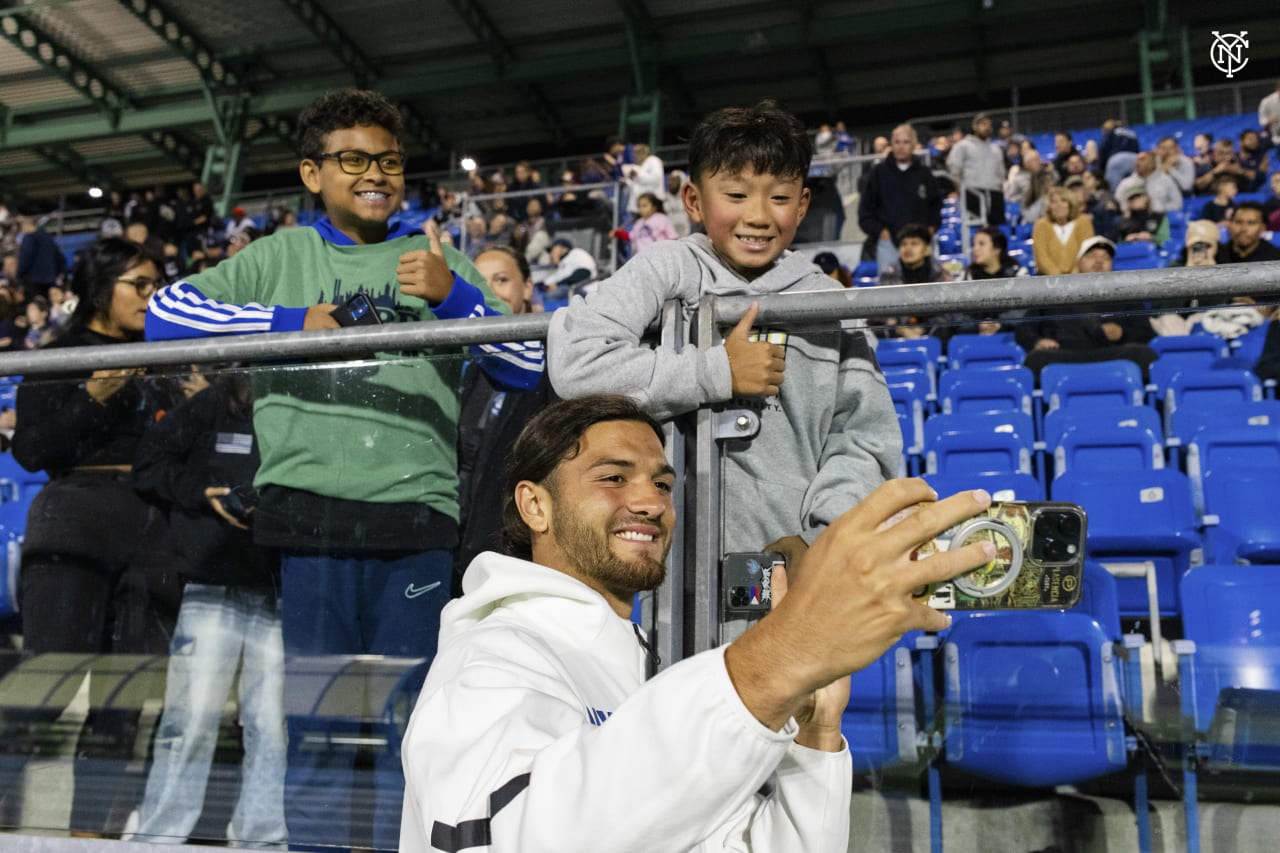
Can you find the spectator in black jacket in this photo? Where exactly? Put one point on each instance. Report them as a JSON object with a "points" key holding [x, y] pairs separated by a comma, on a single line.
{"points": [[900, 190], [200, 461], [97, 568], [1096, 332]]}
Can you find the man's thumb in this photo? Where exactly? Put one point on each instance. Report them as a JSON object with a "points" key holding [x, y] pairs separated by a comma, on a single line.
{"points": [[748, 320]]}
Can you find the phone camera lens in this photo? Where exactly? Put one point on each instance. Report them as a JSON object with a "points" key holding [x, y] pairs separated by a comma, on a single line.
{"points": [[1069, 525]]}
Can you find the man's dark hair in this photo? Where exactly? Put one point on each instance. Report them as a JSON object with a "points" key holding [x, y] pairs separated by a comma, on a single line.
{"points": [[764, 138], [1226, 178], [344, 109], [553, 436], [912, 230], [1251, 205]]}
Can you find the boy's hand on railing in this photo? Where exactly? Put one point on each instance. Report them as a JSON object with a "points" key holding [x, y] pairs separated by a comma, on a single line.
{"points": [[320, 317], [755, 366]]}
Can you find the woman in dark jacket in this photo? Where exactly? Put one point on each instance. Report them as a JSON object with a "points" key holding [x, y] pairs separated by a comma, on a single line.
{"points": [[97, 569]]}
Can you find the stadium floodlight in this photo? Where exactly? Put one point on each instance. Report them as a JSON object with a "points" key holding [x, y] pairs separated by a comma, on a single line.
{"points": [[95, 192], [468, 164]]}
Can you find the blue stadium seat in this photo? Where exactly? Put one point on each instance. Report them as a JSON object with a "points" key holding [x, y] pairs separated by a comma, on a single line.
{"points": [[1249, 345], [984, 351], [1138, 255], [1002, 486], [910, 399], [10, 569], [1060, 421], [18, 488], [1136, 518], [1204, 387], [1240, 515], [1233, 448], [1184, 423], [1175, 346], [924, 353], [880, 722], [1103, 383], [958, 453], [964, 391], [1032, 698], [866, 270], [1229, 674], [1125, 445], [1016, 423]]}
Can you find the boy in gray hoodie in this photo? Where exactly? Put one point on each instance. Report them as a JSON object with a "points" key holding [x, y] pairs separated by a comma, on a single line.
{"points": [[828, 433]]}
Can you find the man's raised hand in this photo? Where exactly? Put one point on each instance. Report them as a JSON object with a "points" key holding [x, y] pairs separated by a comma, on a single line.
{"points": [[853, 600]]}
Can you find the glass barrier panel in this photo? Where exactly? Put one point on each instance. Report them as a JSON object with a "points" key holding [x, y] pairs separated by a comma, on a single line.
{"points": [[1118, 650], [222, 590]]}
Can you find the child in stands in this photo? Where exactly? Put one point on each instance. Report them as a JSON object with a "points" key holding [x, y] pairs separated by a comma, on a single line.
{"points": [[828, 433]]}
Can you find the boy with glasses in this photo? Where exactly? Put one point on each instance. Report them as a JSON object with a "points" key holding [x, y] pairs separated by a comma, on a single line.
{"points": [[358, 481]]}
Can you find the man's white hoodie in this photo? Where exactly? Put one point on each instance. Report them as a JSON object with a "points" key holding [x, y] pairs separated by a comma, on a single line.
{"points": [[536, 731]]}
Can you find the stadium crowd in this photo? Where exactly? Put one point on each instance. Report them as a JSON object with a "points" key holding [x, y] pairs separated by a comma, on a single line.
{"points": [[177, 456]]}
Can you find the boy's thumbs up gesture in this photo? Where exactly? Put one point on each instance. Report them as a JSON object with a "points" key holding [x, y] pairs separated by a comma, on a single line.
{"points": [[424, 273], [756, 366]]}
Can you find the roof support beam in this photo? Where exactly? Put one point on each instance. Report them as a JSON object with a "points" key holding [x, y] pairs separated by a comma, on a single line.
{"points": [[179, 149], [502, 55], [334, 37], [215, 72], [57, 57], [646, 42], [69, 160]]}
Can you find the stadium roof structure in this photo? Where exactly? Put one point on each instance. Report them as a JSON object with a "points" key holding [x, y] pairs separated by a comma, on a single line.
{"points": [[129, 93]]}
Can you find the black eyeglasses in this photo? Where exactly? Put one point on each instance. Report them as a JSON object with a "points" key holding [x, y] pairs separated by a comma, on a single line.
{"points": [[144, 285], [356, 162]]}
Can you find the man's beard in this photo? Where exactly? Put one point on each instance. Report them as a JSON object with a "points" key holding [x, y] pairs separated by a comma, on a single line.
{"points": [[592, 557]]}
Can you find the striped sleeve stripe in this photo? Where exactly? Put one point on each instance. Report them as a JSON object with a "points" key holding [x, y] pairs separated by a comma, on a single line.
{"points": [[529, 356], [186, 301], [477, 833], [221, 324]]}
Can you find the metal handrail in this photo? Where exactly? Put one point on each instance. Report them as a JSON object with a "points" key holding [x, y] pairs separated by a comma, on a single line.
{"points": [[872, 303]]}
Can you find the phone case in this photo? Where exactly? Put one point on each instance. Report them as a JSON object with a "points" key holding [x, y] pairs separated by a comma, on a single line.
{"points": [[746, 580], [359, 310], [1020, 577]]}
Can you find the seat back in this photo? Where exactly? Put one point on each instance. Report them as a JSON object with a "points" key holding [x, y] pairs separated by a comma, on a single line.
{"points": [[909, 402], [982, 390], [1127, 445], [1206, 387], [879, 723], [1103, 383], [1240, 515], [1032, 698], [977, 453], [1243, 449], [1060, 421], [922, 353], [1232, 613], [1198, 347], [1186, 422], [1138, 255], [1137, 518], [984, 351], [1001, 485]]}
